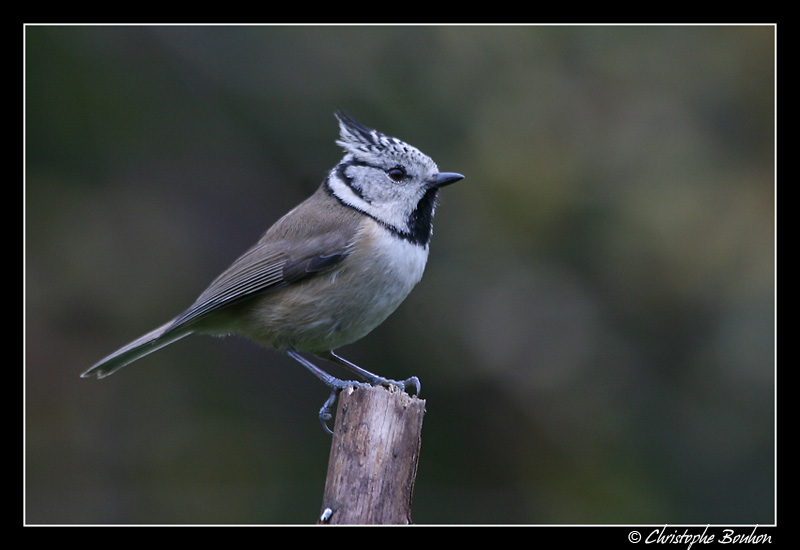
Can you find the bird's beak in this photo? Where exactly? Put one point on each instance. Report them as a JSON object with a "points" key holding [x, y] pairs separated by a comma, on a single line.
{"points": [[445, 178]]}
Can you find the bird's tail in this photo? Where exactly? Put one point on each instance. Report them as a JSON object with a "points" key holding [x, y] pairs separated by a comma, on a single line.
{"points": [[150, 342]]}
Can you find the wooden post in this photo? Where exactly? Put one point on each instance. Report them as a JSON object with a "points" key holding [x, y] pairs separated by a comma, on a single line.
{"points": [[374, 456]]}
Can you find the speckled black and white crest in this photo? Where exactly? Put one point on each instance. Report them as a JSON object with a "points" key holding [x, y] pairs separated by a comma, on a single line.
{"points": [[378, 149]]}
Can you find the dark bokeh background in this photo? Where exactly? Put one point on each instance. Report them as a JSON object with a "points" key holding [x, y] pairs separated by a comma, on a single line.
{"points": [[595, 330]]}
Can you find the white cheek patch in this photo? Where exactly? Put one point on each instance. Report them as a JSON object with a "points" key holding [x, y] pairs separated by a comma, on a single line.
{"points": [[392, 211]]}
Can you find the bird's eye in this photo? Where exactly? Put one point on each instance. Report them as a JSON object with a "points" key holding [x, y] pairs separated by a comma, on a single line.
{"points": [[397, 173]]}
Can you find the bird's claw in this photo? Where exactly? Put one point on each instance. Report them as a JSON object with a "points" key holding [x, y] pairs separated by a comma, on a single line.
{"points": [[402, 384], [415, 381], [326, 412]]}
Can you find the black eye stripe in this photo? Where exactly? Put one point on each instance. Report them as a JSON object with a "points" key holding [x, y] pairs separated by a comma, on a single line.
{"points": [[341, 171]]}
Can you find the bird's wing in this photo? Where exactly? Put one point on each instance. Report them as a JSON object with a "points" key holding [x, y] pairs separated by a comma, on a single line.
{"points": [[268, 266]]}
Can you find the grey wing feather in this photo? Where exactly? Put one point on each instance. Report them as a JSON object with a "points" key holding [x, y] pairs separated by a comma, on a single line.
{"points": [[293, 249], [266, 268], [250, 274]]}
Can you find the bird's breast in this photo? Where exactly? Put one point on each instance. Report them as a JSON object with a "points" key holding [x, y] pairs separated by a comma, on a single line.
{"points": [[342, 305]]}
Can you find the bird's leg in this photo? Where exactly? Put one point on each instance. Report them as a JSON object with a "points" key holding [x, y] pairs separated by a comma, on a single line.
{"points": [[335, 384]]}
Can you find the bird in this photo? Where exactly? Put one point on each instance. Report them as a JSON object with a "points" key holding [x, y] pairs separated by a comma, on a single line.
{"points": [[329, 271]]}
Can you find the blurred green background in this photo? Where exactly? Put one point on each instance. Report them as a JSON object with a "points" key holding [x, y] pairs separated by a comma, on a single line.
{"points": [[594, 332]]}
